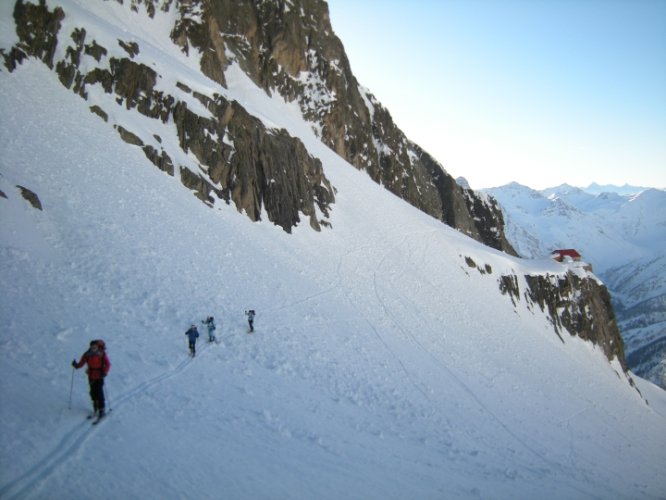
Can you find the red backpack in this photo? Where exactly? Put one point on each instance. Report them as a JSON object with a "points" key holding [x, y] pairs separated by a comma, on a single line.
{"points": [[103, 366]]}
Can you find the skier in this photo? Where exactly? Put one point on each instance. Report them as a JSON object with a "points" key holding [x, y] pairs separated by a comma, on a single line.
{"points": [[210, 324], [192, 335], [98, 366], [250, 318]]}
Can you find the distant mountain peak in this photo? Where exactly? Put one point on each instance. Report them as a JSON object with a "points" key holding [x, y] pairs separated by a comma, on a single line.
{"points": [[626, 189], [462, 182]]}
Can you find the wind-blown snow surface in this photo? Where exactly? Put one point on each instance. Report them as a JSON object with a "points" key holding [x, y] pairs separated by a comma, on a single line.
{"points": [[382, 366]]}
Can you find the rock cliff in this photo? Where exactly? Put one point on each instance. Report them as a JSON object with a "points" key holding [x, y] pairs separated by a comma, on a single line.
{"points": [[286, 47], [239, 159], [289, 47], [577, 304]]}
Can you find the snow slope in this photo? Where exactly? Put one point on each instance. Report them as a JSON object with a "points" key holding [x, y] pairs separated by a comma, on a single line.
{"points": [[382, 365]]}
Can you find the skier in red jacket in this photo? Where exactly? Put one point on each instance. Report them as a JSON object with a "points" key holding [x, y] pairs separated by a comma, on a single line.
{"points": [[98, 366]]}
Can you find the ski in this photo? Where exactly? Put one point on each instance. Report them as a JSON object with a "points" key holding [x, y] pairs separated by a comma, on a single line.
{"points": [[98, 419]]}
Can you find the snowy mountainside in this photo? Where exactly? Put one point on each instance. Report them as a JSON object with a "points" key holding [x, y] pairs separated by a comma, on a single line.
{"points": [[639, 297], [378, 368], [626, 189], [622, 236], [221, 151], [384, 364], [607, 229]]}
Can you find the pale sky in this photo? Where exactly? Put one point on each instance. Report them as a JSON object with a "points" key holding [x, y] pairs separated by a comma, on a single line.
{"points": [[540, 92]]}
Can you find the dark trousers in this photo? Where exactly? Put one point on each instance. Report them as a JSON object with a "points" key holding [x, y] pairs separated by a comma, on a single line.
{"points": [[193, 346], [97, 393]]}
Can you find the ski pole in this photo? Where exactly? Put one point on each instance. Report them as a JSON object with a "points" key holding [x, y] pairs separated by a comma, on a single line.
{"points": [[106, 396], [71, 388]]}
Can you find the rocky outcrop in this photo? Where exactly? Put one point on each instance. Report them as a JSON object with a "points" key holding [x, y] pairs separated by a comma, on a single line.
{"points": [[286, 47], [575, 301], [31, 197], [37, 28], [579, 305], [289, 47], [239, 159]]}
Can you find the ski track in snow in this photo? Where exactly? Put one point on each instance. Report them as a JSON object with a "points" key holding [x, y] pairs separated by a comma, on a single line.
{"points": [[437, 365], [81, 434]]}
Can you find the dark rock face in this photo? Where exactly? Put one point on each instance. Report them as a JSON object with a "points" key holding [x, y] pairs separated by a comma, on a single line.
{"points": [[260, 167], [285, 47], [240, 160], [290, 48], [37, 28], [509, 285], [31, 197], [579, 305]]}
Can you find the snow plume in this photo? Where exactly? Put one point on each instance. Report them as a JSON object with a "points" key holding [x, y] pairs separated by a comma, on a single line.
{"points": [[383, 365]]}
